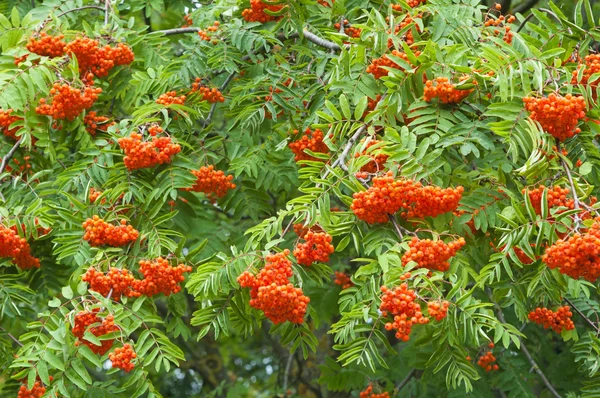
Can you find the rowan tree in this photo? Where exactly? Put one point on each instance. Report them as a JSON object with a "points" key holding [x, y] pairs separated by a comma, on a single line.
{"points": [[299, 198]]}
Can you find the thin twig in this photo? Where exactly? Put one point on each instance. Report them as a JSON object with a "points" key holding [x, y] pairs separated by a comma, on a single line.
{"points": [[395, 223], [405, 381], [13, 338], [79, 9], [340, 161], [106, 9], [9, 155], [576, 217], [581, 314], [286, 374]]}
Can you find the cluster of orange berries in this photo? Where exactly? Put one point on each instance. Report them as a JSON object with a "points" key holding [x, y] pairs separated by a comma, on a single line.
{"points": [[577, 256], [68, 102], [408, 36], [160, 277], [592, 66], [376, 68], [40, 230], [46, 45], [187, 21], [438, 309], [302, 230], [121, 358], [22, 167], [316, 248], [343, 280], [272, 293], [349, 30], [500, 22], [433, 255], [6, 119], [557, 321], [311, 140], [37, 391], [400, 304], [214, 183], [372, 104], [143, 154], [20, 59], [16, 248], [256, 12], [446, 92], [98, 232], [154, 130], [94, 123], [557, 115], [486, 361], [556, 197], [377, 160], [171, 98], [96, 59], [368, 393], [84, 319], [211, 95], [387, 196], [116, 282], [204, 36]]}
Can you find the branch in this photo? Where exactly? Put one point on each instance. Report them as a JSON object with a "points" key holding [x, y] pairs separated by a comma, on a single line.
{"points": [[405, 381], [581, 314], [13, 338], [524, 7], [576, 217], [106, 9], [178, 31], [206, 121], [320, 42], [286, 374], [9, 155], [79, 9]]}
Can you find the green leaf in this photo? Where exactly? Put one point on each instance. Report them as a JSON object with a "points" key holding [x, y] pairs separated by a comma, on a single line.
{"points": [[53, 360]]}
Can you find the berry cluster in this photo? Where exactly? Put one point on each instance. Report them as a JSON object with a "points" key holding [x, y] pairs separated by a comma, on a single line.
{"points": [[343, 280], [316, 248], [154, 130], [556, 196], [433, 255], [557, 115], [378, 159], [121, 358], [256, 12], [98, 232], [400, 304], [96, 59], [486, 361], [187, 21], [68, 102], [6, 119], [372, 104], [95, 194], [557, 321], [387, 196], [16, 248], [171, 98], [37, 391], [207, 94], [40, 230], [501, 22], [311, 140], [446, 92], [20, 59], [143, 154], [95, 123], [577, 256], [349, 30], [83, 321], [408, 36], [160, 277], [204, 36], [438, 309], [116, 282], [214, 183], [302, 230], [376, 68], [272, 293], [368, 393], [592, 66], [46, 45]]}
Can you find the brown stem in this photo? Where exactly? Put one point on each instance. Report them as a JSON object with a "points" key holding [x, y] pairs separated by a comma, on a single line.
{"points": [[404, 382], [9, 155], [13, 338], [581, 314], [573, 192]]}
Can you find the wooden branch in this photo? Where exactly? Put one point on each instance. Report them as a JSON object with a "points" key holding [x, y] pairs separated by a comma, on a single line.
{"points": [[9, 155], [106, 11], [13, 338], [79, 9], [404, 382], [581, 314], [576, 205]]}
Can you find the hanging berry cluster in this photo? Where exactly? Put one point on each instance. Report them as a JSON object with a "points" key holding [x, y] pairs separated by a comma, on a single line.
{"points": [[256, 12], [214, 183], [343, 280], [556, 197], [578, 256], [94, 123], [143, 154], [557, 321], [67, 102], [446, 92], [591, 67], [116, 282], [387, 196], [171, 98], [20, 59], [204, 35], [301, 230], [349, 30], [272, 293], [433, 255], [94, 195], [487, 360], [83, 321], [368, 393], [98, 233], [46, 45], [438, 309], [37, 391], [207, 94], [316, 248], [311, 140], [408, 36], [6, 119], [376, 68], [557, 115], [187, 21], [400, 304], [14, 247], [377, 160], [499, 23], [160, 277], [121, 358], [97, 59]]}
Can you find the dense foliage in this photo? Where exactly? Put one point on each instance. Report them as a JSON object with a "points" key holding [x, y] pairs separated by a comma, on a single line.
{"points": [[299, 198]]}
